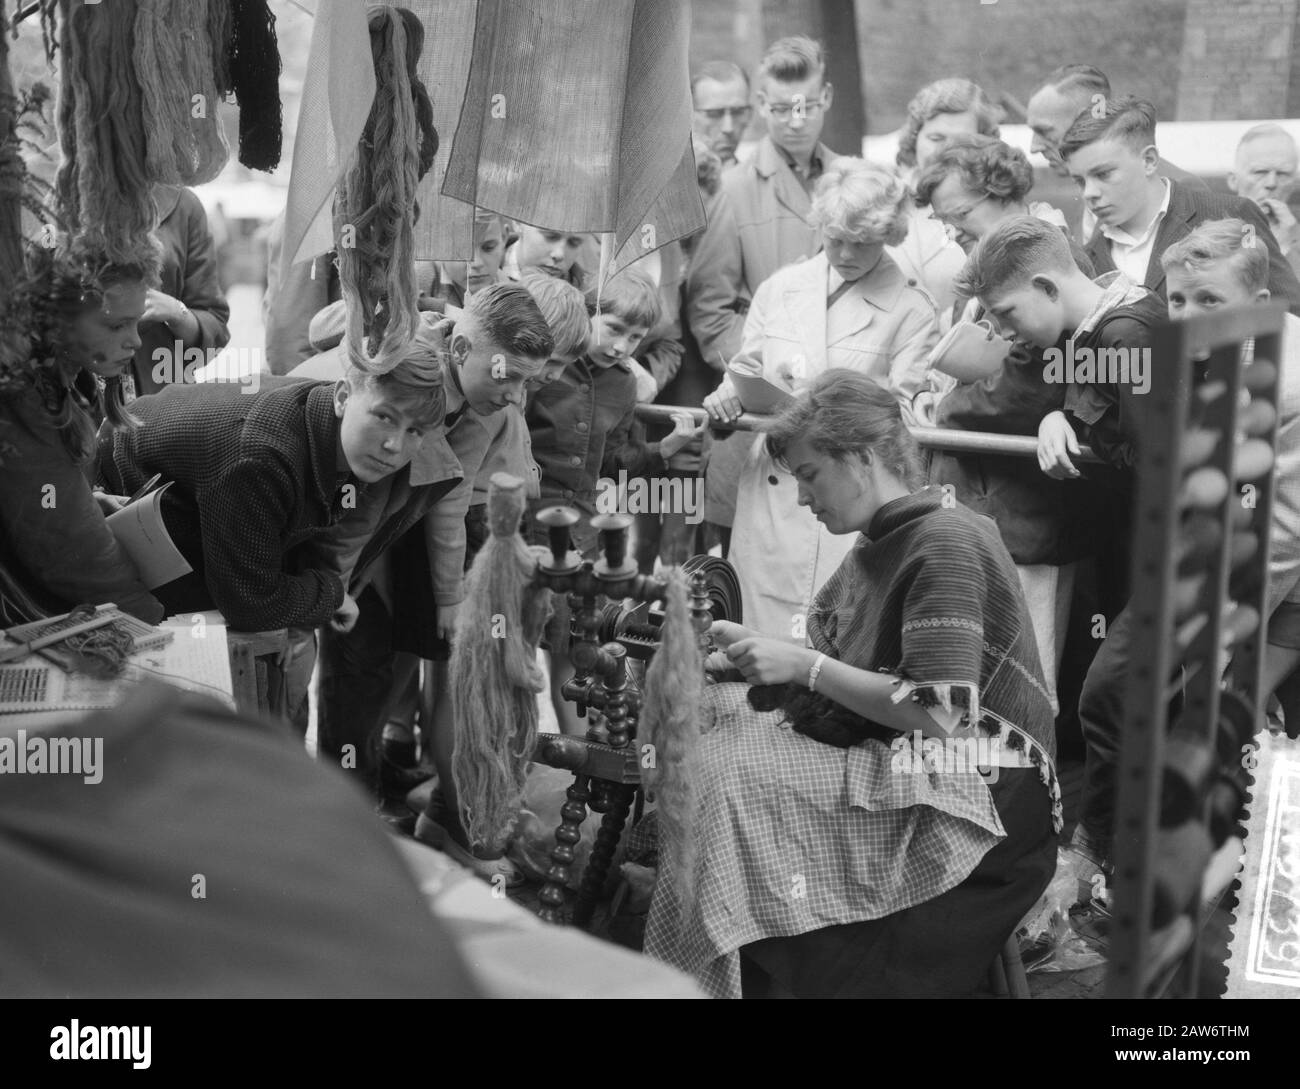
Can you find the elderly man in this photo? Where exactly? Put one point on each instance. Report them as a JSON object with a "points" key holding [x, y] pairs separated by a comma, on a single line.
{"points": [[1265, 171], [720, 95]]}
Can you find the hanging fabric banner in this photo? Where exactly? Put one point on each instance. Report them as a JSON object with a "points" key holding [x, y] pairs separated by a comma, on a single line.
{"points": [[336, 99], [445, 229], [577, 117]]}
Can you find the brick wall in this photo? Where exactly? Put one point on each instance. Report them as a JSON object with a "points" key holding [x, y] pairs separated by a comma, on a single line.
{"points": [[1194, 59], [1236, 60]]}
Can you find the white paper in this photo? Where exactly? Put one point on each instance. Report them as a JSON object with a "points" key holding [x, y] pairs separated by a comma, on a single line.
{"points": [[140, 531]]}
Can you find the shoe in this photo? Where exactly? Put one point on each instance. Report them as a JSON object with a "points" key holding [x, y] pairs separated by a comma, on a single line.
{"points": [[492, 870]]}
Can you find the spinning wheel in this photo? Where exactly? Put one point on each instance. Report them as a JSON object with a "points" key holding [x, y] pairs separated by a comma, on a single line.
{"points": [[606, 762]]}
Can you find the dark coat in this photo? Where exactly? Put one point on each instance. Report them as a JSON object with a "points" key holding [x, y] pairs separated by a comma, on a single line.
{"points": [[1188, 209], [189, 273], [53, 538], [1039, 518], [257, 485]]}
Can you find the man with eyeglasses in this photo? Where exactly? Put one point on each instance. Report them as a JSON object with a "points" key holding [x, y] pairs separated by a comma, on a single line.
{"points": [[720, 95], [759, 224]]}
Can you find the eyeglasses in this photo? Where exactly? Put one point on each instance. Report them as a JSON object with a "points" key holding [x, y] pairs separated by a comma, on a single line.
{"points": [[955, 219], [739, 114], [782, 111]]}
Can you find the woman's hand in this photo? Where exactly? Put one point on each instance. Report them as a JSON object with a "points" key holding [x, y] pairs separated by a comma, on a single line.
{"points": [[770, 661], [685, 434], [723, 404], [161, 307], [109, 504], [726, 632], [1056, 441]]}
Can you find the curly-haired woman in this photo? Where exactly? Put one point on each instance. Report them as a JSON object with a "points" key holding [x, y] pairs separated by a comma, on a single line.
{"points": [[939, 112], [70, 333]]}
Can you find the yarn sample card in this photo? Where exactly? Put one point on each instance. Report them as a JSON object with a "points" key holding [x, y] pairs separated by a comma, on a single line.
{"points": [[1264, 957], [140, 531]]}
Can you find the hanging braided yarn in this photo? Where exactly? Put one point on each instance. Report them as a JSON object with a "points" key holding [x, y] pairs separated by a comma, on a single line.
{"points": [[173, 61], [674, 692], [102, 180], [220, 29], [65, 181], [374, 211], [255, 79], [494, 675]]}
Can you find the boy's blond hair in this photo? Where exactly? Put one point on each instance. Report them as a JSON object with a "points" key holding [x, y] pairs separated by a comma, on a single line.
{"points": [[564, 309], [1222, 240]]}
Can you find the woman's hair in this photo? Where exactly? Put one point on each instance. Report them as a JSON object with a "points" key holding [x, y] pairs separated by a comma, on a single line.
{"points": [[984, 164], [61, 284], [842, 413], [945, 96], [861, 201]]}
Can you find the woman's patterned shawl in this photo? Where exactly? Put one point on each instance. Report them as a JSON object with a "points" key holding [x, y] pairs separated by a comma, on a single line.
{"points": [[930, 595]]}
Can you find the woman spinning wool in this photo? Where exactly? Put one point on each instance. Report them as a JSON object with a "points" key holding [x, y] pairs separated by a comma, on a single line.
{"points": [[882, 833], [849, 306]]}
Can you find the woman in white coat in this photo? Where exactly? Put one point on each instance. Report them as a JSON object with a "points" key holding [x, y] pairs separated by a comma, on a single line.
{"points": [[848, 306]]}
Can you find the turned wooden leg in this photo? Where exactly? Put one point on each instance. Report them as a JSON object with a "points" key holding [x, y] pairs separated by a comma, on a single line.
{"points": [[602, 854], [572, 814]]}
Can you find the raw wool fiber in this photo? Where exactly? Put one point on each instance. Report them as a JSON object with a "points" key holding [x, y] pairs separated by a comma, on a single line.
{"points": [[106, 195], [254, 64], [374, 212], [173, 61], [674, 693], [494, 675], [220, 30]]}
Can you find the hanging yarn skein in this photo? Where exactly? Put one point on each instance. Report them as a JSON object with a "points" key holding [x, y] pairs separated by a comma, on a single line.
{"points": [[220, 30], [374, 210], [105, 193], [254, 67], [674, 693], [494, 675], [173, 62]]}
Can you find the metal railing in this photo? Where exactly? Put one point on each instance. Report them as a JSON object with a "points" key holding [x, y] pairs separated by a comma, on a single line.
{"points": [[932, 438]]}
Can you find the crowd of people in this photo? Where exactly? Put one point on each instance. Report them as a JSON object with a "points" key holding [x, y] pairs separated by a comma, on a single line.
{"points": [[891, 596]]}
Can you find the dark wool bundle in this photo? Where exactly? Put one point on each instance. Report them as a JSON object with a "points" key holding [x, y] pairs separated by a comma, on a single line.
{"points": [[173, 61], [818, 716], [220, 30], [494, 675], [674, 693], [374, 212], [419, 93], [108, 198], [255, 79]]}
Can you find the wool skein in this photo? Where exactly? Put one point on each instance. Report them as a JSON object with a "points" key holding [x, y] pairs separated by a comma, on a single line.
{"points": [[374, 212], [674, 692], [173, 61], [103, 182], [494, 675], [254, 67]]}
